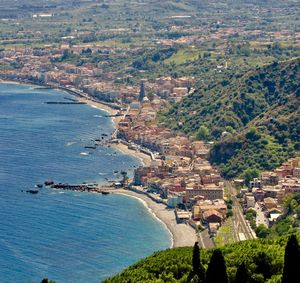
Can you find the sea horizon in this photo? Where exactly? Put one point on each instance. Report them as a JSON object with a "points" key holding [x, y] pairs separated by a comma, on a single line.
{"points": [[65, 236]]}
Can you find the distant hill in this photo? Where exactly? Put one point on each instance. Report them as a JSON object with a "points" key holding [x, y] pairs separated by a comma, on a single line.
{"points": [[255, 117], [263, 258]]}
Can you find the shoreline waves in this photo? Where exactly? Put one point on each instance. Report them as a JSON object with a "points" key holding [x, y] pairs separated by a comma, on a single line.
{"points": [[145, 159], [180, 234], [43, 232]]}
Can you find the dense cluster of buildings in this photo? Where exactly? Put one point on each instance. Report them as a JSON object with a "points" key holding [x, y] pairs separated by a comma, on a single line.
{"points": [[179, 165], [45, 66], [266, 193], [179, 171]]}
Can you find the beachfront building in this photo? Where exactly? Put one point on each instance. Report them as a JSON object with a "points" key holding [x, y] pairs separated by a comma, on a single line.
{"points": [[210, 192]]}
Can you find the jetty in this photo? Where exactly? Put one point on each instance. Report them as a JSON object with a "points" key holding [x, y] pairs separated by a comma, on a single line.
{"points": [[65, 102], [95, 188]]}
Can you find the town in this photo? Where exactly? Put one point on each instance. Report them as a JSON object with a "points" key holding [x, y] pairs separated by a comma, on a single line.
{"points": [[142, 70], [179, 174]]}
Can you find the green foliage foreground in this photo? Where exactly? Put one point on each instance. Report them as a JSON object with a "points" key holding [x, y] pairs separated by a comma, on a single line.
{"points": [[263, 259]]}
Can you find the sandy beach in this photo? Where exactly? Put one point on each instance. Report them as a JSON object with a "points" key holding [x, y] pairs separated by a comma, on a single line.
{"points": [[100, 106], [145, 158], [182, 234]]}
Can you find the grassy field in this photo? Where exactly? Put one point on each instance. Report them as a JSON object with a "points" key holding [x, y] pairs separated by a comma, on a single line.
{"points": [[184, 55]]}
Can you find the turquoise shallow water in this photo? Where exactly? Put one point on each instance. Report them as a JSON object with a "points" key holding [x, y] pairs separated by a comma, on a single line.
{"points": [[65, 236]]}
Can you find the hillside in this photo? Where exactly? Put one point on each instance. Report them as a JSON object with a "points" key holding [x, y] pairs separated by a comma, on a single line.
{"points": [[255, 117], [175, 265]]}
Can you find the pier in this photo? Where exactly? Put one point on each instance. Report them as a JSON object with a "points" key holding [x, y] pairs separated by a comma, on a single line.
{"points": [[65, 102], [96, 188]]}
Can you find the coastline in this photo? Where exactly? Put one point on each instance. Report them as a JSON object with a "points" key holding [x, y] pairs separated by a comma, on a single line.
{"points": [[182, 235], [144, 158]]}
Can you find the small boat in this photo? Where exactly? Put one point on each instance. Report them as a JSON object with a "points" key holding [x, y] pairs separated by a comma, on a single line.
{"points": [[104, 193], [32, 191], [39, 185], [90, 146]]}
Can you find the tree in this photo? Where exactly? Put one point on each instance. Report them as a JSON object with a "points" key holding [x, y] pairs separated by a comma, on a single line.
{"points": [[242, 275], [291, 269], [263, 265], [262, 231], [216, 270], [142, 91], [198, 269], [202, 133], [249, 174], [253, 134]]}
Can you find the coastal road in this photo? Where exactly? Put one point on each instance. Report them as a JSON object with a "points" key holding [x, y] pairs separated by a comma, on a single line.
{"points": [[204, 240]]}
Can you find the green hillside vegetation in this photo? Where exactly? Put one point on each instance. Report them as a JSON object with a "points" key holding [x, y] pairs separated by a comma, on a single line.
{"points": [[100, 20], [288, 223], [255, 117], [263, 259]]}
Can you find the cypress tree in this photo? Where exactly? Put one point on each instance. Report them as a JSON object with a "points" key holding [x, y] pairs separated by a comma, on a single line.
{"points": [[216, 270], [291, 269], [142, 91], [196, 258], [263, 265], [197, 266], [241, 275]]}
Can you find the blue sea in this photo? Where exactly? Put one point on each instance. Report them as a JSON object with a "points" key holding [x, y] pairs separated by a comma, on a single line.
{"points": [[64, 236]]}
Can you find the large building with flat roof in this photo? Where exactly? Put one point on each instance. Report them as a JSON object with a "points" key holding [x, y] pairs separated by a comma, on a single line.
{"points": [[209, 192]]}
